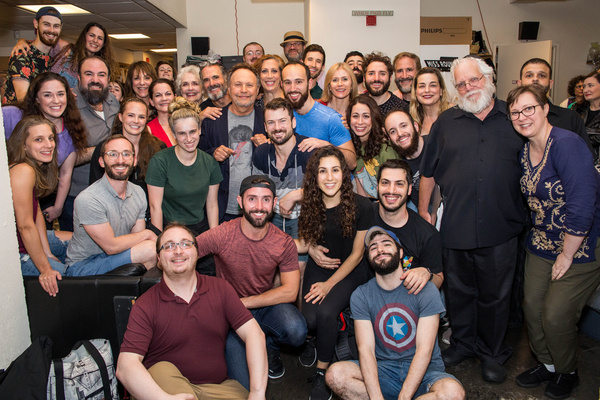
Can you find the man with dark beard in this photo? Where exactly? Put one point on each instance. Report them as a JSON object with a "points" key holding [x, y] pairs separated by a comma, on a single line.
{"points": [[248, 252], [109, 218], [473, 154], [406, 65], [22, 68], [321, 124], [378, 71], [404, 136], [98, 109], [396, 334], [355, 60]]}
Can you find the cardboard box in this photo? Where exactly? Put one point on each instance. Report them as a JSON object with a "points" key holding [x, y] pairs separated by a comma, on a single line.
{"points": [[446, 30]]}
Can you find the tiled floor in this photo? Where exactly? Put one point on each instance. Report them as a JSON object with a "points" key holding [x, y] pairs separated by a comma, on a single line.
{"points": [[294, 383]]}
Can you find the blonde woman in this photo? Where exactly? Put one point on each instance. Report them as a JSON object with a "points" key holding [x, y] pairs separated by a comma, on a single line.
{"points": [[429, 98]]}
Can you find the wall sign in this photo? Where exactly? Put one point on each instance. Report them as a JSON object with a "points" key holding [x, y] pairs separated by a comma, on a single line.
{"points": [[362, 13]]}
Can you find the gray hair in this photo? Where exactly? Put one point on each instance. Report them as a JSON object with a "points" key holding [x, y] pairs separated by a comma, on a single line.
{"points": [[484, 69], [188, 69]]}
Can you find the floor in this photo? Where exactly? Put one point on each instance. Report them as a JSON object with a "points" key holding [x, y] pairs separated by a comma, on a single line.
{"points": [[294, 385]]}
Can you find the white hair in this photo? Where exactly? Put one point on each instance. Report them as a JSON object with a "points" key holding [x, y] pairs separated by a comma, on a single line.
{"points": [[188, 69], [484, 69]]}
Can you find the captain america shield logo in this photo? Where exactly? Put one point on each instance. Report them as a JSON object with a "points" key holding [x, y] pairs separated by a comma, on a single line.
{"points": [[396, 327]]}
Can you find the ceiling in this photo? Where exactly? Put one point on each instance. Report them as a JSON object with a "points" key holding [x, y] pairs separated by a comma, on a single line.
{"points": [[117, 16]]}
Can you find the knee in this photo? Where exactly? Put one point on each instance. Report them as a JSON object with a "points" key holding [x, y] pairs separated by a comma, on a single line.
{"points": [[147, 252], [336, 375], [296, 332], [163, 369], [448, 389]]}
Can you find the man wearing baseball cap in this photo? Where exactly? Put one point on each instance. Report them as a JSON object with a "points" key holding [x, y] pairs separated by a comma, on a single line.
{"points": [[293, 45], [396, 333], [248, 252], [23, 67]]}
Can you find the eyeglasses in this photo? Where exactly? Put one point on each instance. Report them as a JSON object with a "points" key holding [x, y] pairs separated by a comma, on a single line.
{"points": [[473, 82], [527, 112], [114, 155], [183, 245], [251, 53], [293, 44], [579, 87]]}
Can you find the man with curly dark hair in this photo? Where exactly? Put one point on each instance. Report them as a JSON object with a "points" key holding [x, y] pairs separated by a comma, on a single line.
{"points": [[378, 71]]}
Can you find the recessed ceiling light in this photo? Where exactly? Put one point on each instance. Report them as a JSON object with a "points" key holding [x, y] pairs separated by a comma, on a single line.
{"points": [[129, 36], [64, 9], [164, 50]]}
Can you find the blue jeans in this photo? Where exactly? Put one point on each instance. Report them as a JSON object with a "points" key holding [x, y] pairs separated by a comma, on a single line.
{"points": [[289, 226], [98, 264], [58, 249], [283, 324]]}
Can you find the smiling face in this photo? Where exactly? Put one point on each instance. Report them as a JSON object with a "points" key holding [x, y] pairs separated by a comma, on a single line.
{"points": [[118, 168], [134, 118], [356, 62], [473, 99], [293, 50], [341, 84], [48, 29], [115, 89], [257, 206], [314, 62], [270, 77], [177, 261], [330, 178], [214, 82], [165, 71], [243, 88], [190, 87], [279, 125], [295, 85], [360, 121], [383, 255], [252, 53], [94, 40], [428, 90], [403, 133], [141, 84], [162, 96], [377, 78], [52, 99], [40, 143], [534, 125], [393, 189], [591, 89], [405, 70], [93, 81], [187, 134]]}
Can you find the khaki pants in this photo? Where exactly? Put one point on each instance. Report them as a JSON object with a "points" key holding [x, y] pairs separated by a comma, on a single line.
{"points": [[552, 308], [168, 377]]}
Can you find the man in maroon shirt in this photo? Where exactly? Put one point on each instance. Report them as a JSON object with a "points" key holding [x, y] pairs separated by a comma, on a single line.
{"points": [[175, 339]]}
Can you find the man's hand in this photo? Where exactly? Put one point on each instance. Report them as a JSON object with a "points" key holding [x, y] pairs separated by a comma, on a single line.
{"points": [[312, 143], [49, 283], [317, 253], [259, 139], [211, 113], [415, 279], [21, 47], [222, 153]]}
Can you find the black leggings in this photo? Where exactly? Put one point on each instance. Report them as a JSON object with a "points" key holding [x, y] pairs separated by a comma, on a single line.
{"points": [[322, 319]]}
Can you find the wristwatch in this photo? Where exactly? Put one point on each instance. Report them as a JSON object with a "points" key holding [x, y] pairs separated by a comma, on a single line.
{"points": [[430, 274]]}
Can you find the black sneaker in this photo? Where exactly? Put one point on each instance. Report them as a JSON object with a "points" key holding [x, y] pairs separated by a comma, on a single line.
{"points": [[276, 368], [561, 385], [309, 352], [319, 389], [534, 376]]}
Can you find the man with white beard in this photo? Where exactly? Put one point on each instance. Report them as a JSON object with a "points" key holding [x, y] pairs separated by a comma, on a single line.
{"points": [[472, 153]]}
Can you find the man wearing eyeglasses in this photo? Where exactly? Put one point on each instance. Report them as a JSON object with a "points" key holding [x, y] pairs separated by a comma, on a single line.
{"points": [[293, 45], [175, 341], [473, 154], [252, 52], [109, 224]]}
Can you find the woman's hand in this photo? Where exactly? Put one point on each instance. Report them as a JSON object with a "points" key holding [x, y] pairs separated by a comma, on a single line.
{"points": [[49, 283], [561, 266], [317, 253], [51, 213], [318, 291]]}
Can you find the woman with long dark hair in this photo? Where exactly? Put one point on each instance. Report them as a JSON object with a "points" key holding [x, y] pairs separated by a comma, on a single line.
{"points": [[140, 76], [372, 150], [33, 174], [162, 94], [335, 217]]}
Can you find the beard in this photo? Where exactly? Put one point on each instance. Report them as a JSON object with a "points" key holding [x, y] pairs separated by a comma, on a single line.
{"points": [[94, 96], [253, 221], [384, 88], [384, 268], [284, 139], [45, 41], [296, 105], [216, 96], [486, 97], [402, 88], [358, 75], [406, 152], [118, 176], [403, 201]]}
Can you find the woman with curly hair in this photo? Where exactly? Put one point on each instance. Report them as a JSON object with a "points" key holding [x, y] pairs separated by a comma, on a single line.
{"points": [[140, 76], [429, 98], [49, 96], [33, 173], [372, 149], [183, 179], [335, 217], [131, 123], [339, 89], [269, 69]]}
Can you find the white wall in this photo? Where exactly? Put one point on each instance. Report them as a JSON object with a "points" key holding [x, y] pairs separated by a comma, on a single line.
{"points": [[14, 329], [572, 25]]}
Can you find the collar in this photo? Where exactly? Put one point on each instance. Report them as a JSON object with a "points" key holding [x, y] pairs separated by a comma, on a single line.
{"points": [[166, 294], [106, 184], [499, 107]]}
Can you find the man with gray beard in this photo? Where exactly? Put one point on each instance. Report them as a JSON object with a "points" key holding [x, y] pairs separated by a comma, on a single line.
{"points": [[472, 153]]}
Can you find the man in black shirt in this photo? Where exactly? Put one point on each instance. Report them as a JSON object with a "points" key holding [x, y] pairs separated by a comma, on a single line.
{"points": [[377, 71], [473, 154]]}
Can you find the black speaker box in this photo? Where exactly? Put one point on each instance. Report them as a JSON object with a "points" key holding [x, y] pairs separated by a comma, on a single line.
{"points": [[200, 46], [528, 30]]}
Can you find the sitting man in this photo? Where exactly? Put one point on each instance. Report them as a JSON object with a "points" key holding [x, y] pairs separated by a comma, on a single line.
{"points": [[108, 219], [175, 339], [396, 334], [248, 252]]}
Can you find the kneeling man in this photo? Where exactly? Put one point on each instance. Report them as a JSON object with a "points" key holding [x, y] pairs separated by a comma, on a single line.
{"points": [[175, 339], [396, 333]]}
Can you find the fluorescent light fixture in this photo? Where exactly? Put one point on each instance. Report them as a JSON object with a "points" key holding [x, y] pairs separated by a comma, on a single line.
{"points": [[164, 50], [129, 36], [64, 9]]}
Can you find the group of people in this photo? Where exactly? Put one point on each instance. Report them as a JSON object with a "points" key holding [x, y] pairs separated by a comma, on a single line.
{"points": [[310, 200]]}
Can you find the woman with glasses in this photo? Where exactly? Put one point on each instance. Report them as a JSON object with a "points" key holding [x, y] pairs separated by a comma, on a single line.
{"points": [[183, 179], [575, 91], [562, 267], [429, 98], [269, 69]]}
